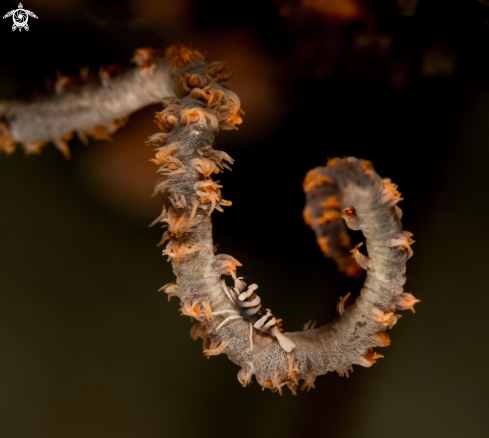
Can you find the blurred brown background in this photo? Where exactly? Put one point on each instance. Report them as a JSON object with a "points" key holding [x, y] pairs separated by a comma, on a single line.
{"points": [[89, 348]]}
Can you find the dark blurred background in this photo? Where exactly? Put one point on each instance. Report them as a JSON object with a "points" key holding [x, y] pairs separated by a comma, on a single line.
{"points": [[89, 348]]}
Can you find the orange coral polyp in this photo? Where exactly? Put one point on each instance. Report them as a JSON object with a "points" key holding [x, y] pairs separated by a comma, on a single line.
{"points": [[216, 348], [164, 153], [178, 223], [182, 55], [209, 193], [406, 301], [191, 308], [313, 180], [328, 217], [205, 167], [198, 330], [307, 216], [331, 203], [145, 56], [390, 193], [324, 244], [382, 339], [177, 251]]}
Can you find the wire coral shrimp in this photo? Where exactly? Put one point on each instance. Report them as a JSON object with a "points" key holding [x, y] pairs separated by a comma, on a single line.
{"points": [[250, 308]]}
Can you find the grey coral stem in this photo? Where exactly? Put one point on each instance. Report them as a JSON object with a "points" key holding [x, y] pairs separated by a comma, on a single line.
{"points": [[53, 117]]}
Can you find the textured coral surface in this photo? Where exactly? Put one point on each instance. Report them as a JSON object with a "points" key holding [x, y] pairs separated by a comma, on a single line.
{"points": [[197, 105]]}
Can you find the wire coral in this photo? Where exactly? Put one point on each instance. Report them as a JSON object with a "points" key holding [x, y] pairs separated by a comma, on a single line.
{"points": [[230, 318], [89, 107]]}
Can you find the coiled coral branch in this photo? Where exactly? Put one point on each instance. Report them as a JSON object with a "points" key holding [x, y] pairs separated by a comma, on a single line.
{"points": [[197, 105], [345, 187]]}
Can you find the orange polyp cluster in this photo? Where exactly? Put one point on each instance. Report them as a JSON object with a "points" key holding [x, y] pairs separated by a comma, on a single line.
{"points": [[224, 264], [335, 162], [172, 166], [182, 55], [344, 372], [328, 217], [368, 359], [244, 376], [367, 167], [313, 179], [7, 144], [205, 167], [158, 139], [172, 289], [191, 309], [198, 330], [64, 82], [406, 301], [220, 70], [164, 154], [293, 375], [177, 250], [196, 309], [189, 118], [167, 118], [209, 193], [386, 318], [217, 156], [308, 382], [341, 306], [382, 339], [342, 242], [178, 223], [145, 57], [191, 115], [349, 267], [181, 202], [382, 317], [277, 382], [390, 193], [105, 74], [221, 104], [215, 348], [324, 244], [405, 241], [331, 203], [307, 216]]}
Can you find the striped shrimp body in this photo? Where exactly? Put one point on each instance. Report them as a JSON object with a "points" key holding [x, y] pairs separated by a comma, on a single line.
{"points": [[250, 308]]}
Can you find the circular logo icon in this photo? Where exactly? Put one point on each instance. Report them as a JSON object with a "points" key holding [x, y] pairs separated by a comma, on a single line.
{"points": [[20, 17]]}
